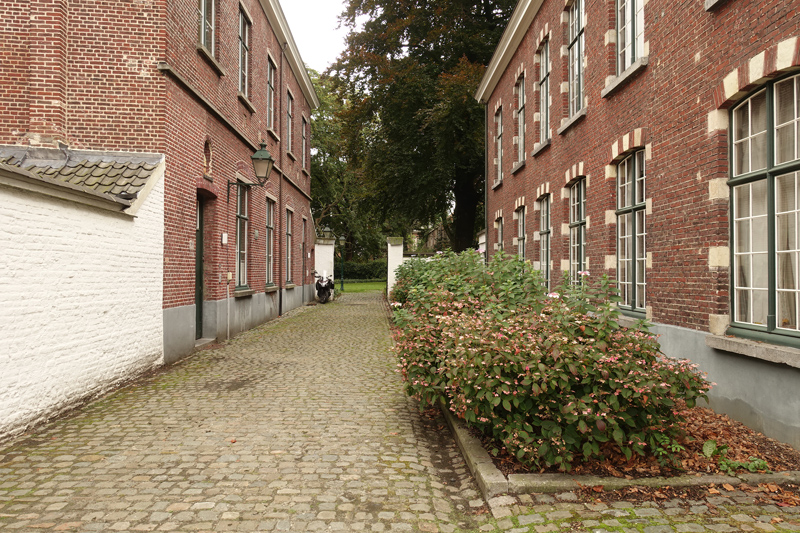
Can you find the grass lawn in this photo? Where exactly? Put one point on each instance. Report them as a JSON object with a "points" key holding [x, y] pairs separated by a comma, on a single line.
{"points": [[372, 286]]}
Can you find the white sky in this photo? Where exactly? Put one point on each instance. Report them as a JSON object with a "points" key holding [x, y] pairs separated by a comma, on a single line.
{"points": [[313, 24]]}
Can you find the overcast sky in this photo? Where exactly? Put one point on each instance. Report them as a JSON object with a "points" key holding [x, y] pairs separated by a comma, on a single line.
{"points": [[313, 24]]}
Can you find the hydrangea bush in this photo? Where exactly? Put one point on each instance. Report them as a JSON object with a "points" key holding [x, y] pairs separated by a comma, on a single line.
{"points": [[549, 374]]}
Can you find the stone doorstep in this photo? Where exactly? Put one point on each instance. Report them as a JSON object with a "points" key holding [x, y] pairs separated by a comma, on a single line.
{"points": [[492, 482]]}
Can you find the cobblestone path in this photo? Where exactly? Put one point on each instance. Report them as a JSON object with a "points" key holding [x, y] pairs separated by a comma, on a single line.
{"points": [[298, 425]]}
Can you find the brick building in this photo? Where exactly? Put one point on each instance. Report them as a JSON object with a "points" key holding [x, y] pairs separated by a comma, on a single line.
{"points": [[658, 142], [127, 187]]}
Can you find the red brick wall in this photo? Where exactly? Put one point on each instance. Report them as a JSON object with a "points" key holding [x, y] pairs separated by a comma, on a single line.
{"points": [[109, 94], [690, 52]]}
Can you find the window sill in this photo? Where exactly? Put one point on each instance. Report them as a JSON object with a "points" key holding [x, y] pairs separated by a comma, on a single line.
{"points": [[271, 287], [623, 79], [519, 165], [496, 183], [306, 173], [567, 123], [713, 4], [273, 135], [757, 350], [210, 59], [243, 292], [538, 148], [289, 285], [291, 156], [246, 102]]}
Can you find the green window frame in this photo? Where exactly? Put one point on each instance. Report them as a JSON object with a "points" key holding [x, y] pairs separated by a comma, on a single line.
{"points": [[632, 232], [577, 229], [519, 90], [244, 53], [765, 207], [270, 244], [544, 92], [271, 94], [544, 238], [242, 226], [521, 231], [289, 245]]}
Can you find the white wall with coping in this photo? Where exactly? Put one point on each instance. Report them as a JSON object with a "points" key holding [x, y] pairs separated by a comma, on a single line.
{"points": [[80, 301]]}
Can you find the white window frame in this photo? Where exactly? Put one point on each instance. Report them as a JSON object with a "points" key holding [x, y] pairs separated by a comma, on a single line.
{"points": [[499, 226], [575, 49], [206, 13], [632, 232], [304, 134], [630, 32]]}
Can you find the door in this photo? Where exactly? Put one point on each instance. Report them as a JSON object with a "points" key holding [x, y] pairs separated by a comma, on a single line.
{"points": [[198, 272]]}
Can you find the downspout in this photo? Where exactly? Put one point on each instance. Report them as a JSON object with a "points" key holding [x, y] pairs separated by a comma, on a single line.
{"points": [[281, 208], [486, 177]]}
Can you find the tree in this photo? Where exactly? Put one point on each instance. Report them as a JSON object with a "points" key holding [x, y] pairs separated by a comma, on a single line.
{"points": [[340, 198], [414, 128]]}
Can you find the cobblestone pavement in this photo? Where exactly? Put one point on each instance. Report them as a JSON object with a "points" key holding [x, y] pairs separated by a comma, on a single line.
{"points": [[298, 425]]}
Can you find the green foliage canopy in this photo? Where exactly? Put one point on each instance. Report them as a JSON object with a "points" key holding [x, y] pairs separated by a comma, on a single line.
{"points": [[413, 127]]}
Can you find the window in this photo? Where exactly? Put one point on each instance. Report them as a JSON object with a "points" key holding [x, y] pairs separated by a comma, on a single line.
{"points": [[289, 115], [304, 134], [544, 92], [544, 238], [241, 235], [766, 208], [575, 49], [521, 232], [498, 224], [577, 229], [519, 90], [206, 17], [244, 53], [498, 121], [630, 32], [270, 241], [288, 245], [631, 232], [270, 95], [303, 274]]}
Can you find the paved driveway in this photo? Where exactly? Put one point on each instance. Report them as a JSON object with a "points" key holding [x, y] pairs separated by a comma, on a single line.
{"points": [[299, 425]]}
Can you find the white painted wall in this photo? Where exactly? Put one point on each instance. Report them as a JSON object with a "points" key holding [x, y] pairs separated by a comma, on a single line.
{"points": [[80, 301], [323, 257]]}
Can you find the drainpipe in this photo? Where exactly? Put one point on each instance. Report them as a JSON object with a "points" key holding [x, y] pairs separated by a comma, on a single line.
{"points": [[281, 207], [486, 177]]}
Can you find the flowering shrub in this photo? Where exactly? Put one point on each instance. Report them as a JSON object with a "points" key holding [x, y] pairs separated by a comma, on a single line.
{"points": [[551, 375]]}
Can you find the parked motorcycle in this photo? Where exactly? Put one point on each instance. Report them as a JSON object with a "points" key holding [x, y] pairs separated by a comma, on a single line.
{"points": [[324, 287]]}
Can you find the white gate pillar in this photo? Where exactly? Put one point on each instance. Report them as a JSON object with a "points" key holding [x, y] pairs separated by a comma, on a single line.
{"points": [[394, 259], [323, 257]]}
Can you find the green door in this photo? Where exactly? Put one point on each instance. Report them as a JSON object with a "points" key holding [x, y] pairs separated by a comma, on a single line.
{"points": [[198, 271]]}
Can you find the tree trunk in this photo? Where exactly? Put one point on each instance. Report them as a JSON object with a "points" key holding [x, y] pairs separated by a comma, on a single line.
{"points": [[466, 207]]}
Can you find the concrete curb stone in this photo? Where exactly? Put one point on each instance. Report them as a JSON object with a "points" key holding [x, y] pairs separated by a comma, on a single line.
{"points": [[492, 482]]}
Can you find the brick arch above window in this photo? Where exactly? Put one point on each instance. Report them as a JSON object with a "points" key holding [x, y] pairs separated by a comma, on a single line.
{"points": [[770, 63], [631, 141], [574, 172]]}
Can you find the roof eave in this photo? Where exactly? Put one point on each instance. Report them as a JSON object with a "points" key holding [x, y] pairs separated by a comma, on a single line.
{"points": [[515, 31], [281, 28]]}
